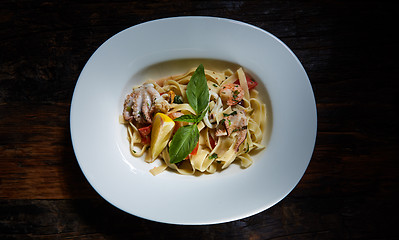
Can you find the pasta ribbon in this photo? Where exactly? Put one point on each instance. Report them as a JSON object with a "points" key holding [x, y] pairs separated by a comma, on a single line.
{"points": [[227, 132]]}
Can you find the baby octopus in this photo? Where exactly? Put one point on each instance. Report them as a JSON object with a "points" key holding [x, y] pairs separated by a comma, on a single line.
{"points": [[141, 104]]}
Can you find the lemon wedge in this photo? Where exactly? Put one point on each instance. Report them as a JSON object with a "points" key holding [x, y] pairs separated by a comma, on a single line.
{"points": [[162, 129]]}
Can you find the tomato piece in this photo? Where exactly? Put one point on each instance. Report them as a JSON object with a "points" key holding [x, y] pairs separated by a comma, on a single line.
{"points": [[145, 134], [250, 82], [195, 150], [146, 140], [144, 131]]}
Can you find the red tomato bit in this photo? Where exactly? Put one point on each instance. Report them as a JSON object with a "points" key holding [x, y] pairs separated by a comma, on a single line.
{"points": [[250, 82], [145, 134]]}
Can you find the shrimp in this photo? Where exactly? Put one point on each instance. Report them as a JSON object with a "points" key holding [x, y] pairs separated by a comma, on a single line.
{"points": [[231, 94], [141, 104]]}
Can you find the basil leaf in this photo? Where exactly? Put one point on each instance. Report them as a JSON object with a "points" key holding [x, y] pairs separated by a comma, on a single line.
{"points": [[183, 143], [186, 118], [200, 117], [197, 90]]}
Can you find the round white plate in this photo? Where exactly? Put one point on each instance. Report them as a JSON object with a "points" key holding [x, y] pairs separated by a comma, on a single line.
{"points": [[168, 46]]}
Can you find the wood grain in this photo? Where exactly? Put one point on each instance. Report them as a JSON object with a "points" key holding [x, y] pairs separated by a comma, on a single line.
{"points": [[346, 47], [38, 161]]}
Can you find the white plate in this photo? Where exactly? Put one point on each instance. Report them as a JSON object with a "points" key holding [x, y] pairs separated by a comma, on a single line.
{"points": [[168, 46]]}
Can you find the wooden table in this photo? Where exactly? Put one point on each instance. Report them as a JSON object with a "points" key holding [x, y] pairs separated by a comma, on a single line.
{"points": [[346, 47]]}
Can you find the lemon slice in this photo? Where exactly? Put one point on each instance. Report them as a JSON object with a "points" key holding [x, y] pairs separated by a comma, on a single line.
{"points": [[162, 129]]}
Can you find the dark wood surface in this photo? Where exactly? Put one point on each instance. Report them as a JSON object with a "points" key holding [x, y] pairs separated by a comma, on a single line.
{"points": [[348, 49]]}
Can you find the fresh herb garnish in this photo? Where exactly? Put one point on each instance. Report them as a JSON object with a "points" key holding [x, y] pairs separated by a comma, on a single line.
{"points": [[230, 114], [235, 94], [247, 148], [178, 99], [186, 118], [239, 129], [202, 115], [183, 142], [186, 138], [197, 90], [191, 118], [213, 156]]}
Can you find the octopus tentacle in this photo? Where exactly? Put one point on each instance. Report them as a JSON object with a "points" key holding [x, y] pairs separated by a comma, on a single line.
{"points": [[137, 105], [146, 108], [127, 107]]}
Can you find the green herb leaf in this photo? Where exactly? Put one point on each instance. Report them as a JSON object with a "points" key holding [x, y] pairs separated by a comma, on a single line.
{"points": [[230, 114], [186, 118], [197, 90], [183, 143], [186, 138], [247, 148], [191, 118], [200, 117], [178, 99], [213, 156]]}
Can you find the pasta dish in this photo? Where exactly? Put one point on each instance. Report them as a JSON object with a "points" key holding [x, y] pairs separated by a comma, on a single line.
{"points": [[197, 122]]}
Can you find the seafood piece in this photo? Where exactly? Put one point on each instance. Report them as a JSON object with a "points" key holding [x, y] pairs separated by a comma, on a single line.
{"points": [[169, 96], [127, 108], [231, 94], [220, 131], [216, 106], [175, 115], [142, 103], [236, 121]]}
